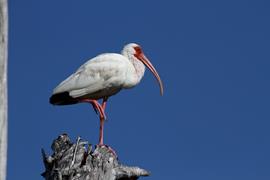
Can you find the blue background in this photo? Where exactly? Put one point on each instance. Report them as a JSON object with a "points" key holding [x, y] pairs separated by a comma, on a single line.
{"points": [[213, 57]]}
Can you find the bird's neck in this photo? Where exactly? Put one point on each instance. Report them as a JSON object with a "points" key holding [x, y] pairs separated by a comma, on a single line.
{"points": [[138, 66]]}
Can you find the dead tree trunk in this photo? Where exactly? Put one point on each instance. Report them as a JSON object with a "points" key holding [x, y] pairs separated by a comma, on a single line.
{"points": [[3, 87], [77, 161]]}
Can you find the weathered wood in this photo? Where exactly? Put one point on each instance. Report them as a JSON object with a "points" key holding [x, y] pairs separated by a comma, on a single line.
{"points": [[79, 161], [3, 87]]}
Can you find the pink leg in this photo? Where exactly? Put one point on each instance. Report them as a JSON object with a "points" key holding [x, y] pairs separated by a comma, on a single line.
{"points": [[96, 106], [101, 110], [102, 117], [104, 103], [101, 128]]}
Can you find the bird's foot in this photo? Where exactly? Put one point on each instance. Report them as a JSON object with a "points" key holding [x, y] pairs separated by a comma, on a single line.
{"points": [[109, 148]]}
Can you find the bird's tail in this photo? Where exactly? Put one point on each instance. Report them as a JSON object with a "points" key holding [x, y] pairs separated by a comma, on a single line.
{"points": [[63, 99]]}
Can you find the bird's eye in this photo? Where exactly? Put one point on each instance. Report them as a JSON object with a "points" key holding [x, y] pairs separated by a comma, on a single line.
{"points": [[138, 49]]}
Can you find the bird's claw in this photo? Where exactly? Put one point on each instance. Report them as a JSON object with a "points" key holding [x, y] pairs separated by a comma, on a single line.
{"points": [[109, 148]]}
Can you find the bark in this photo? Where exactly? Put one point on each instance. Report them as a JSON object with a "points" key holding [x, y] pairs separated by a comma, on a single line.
{"points": [[3, 87], [79, 161]]}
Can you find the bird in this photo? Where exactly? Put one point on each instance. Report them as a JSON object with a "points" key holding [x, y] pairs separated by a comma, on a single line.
{"points": [[102, 77]]}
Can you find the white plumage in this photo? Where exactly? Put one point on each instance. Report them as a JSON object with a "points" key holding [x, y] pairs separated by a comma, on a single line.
{"points": [[107, 73]]}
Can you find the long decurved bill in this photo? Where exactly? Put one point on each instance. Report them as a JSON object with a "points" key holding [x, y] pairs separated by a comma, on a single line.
{"points": [[148, 64]]}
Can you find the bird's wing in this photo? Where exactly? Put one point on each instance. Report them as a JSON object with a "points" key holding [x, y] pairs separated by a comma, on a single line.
{"points": [[101, 72]]}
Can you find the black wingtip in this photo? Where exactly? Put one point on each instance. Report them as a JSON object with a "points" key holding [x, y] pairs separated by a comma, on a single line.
{"points": [[62, 99]]}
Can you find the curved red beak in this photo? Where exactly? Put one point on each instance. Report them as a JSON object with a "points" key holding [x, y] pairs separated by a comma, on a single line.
{"points": [[148, 64]]}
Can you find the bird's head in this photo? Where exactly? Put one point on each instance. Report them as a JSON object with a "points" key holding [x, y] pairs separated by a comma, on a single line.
{"points": [[136, 51]]}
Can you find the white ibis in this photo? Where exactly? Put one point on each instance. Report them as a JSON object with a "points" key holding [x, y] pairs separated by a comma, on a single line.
{"points": [[102, 77]]}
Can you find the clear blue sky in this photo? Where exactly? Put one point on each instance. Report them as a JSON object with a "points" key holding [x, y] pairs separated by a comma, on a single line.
{"points": [[213, 56]]}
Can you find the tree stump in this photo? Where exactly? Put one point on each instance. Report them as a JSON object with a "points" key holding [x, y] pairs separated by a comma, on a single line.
{"points": [[78, 161]]}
